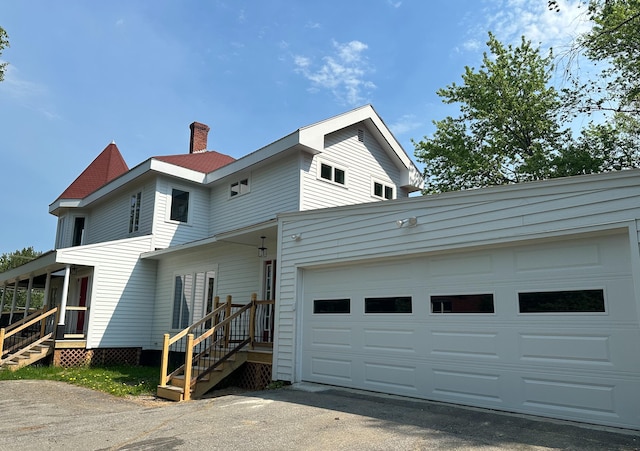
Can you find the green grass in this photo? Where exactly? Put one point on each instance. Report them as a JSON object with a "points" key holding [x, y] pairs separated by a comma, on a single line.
{"points": [[115, 380]]}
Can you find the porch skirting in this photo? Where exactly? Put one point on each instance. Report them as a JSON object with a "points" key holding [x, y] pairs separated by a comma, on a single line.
{"points": [[69, 357], [252, 376]]}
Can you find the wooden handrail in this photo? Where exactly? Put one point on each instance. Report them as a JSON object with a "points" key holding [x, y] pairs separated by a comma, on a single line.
{"points": [[23, 320], [40, 317], [183, 333], [222, 323]]}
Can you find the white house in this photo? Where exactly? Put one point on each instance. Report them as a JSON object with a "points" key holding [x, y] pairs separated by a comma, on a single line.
{"points": [[524, 298]]}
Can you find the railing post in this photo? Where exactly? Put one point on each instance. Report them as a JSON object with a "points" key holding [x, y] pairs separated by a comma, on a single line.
{"points": [[188, 362], [2, 331], [227, 330], [43, 322], [164, 363], [252, 319]]}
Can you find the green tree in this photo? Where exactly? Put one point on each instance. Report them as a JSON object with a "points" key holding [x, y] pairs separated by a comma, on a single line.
{"points": [[508, 130], [13, 260], [4, 42]]}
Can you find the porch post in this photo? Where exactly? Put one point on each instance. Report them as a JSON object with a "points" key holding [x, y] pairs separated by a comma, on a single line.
{"points": [[28, 303], [47, 286], [15, 298], [63, 303], [4, 295]]}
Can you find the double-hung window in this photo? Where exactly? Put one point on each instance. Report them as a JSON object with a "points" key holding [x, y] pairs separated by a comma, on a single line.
{"points": [[179, 205]]}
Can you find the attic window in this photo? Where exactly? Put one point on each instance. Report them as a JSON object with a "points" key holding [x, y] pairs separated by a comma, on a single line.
{"points": [[360, 135], [332, 173], [382, 190], [239, 187]]}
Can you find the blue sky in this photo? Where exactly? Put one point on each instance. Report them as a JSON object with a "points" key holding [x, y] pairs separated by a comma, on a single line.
{"points": [[84, 73]]}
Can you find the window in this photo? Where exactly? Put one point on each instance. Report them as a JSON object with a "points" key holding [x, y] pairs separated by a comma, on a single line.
{"points": [[400, 304], [333, 174], [382, 190], [575, 301], [462, 303], [192, 297], [78, 231], [134, 216], [332, 306], [60, 233], [179, 205], [240, 187]]}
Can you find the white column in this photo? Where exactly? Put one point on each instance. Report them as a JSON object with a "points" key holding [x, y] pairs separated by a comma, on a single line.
{"points": [[28, 303], [15, 298], [65, 292], [47, 288]]}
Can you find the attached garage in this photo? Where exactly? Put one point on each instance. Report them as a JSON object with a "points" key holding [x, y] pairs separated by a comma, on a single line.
{"points": [[457, 328], [522, 306]]}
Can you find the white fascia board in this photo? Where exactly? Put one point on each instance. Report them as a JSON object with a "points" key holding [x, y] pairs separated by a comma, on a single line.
{"points": [[159, 253], [289, 142]]}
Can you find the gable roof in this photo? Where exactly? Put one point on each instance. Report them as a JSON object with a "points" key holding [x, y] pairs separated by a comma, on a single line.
{"points": [[201, 161], [106, 167]]}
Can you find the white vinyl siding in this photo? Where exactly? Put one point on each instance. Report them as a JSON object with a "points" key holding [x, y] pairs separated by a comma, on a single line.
{"points": [[361, 160], [110, 220], [274, 189], [237, 272], [122, 292], [171, 233]]}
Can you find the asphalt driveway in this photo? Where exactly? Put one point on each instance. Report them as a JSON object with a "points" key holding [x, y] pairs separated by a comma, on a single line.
{"points": [[38, 415]]}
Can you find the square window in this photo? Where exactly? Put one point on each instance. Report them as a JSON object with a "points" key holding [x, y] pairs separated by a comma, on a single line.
{"points": [[326, 171], [339, 176], [179, 205], [240, 187], [388, 192], [377, 189]]}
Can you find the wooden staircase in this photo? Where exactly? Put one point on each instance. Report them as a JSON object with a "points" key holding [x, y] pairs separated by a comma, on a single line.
{"points": [[28, 340], [211, 349]]}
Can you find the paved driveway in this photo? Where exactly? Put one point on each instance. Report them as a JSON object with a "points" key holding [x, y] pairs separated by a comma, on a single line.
{"points": [[37, 415]]}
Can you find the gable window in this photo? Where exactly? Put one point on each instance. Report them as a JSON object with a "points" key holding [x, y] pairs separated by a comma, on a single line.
{"points": [[78, 231], [134, 216], [332, 173], [382, 190], [239, 187], [179, 205], [394, 304]]}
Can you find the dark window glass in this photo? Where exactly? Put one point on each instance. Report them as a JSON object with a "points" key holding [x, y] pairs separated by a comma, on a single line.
{"points": [[462, 303], [388, 192], [78, 232], [339, 176], [332, 306], [325, 171], [562, 301], [377, 189], [179, 205], [400, 304]]}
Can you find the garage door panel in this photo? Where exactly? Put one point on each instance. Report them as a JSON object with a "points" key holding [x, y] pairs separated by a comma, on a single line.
{"points": [[579, 365]]}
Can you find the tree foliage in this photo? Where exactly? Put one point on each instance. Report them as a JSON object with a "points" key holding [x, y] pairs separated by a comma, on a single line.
{"points": [[4, 42], [508, 130], [13, 260]]}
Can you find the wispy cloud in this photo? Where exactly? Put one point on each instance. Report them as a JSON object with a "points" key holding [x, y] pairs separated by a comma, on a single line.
{"points": [[395, 4], [344, 72], [26, 93], [405, 124]]}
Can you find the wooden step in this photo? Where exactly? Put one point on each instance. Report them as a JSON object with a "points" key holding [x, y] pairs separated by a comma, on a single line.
{"points": [[170, 392]]}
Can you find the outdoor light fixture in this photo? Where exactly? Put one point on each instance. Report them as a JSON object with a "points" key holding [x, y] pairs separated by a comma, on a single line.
{"points": [[296, 237], [407, 222], [262, 251]]}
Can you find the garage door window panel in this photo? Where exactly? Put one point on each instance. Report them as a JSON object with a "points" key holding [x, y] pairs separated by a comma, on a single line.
{"points": [[462, 303], [393, 304], [573, 301], [323, 306]]}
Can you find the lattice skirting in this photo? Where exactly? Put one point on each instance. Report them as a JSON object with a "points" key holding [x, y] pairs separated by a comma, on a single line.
{"points": [[252, 376], [96, 357]]}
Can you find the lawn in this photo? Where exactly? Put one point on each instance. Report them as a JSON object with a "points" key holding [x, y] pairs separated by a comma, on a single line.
{"points": [[116, 380]]}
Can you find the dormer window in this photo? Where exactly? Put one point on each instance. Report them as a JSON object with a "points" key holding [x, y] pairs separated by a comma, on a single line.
{"points": [[179, 205], [382, 190], [238, 188], [332, 173]]}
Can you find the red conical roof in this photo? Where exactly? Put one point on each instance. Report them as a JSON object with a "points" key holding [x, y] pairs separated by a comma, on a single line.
{"points": [[106, 167]]}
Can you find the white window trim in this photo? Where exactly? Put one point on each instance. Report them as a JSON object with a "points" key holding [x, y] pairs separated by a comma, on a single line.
{"points": [[334, 166], [238, 180], [170, 202], [384, 184]]}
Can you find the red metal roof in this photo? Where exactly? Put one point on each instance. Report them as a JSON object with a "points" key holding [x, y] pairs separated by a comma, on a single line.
{"points": [[202, 161], [106, 167]]}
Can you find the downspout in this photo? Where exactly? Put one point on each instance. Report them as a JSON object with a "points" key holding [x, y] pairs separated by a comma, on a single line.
{"points": [[63, 303]]}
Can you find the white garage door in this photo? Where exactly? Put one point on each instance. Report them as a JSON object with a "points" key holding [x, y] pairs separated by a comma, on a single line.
{"points": [[548, 329]]}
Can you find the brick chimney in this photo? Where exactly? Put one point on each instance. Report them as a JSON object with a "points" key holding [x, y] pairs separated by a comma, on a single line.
{"points": [[198, 141]]}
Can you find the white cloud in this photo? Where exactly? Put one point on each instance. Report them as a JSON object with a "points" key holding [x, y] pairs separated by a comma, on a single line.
{"points": [[26, 93], [394, 4], [344, 72], [404, 124]]}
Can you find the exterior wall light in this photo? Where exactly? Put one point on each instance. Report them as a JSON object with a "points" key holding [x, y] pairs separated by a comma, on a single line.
{"points": [[407, 222], [262, 250], [296, 237]]}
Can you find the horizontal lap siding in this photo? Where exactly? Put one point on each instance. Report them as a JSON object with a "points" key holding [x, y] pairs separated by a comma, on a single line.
{"points": [[122, 295], [238, 275], [273, 189], [445, 223]]}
